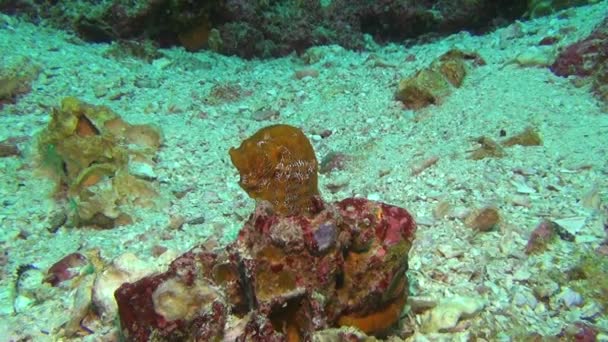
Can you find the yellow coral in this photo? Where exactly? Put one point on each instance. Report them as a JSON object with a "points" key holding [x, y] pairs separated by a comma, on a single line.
{"points": [[92, 150]]}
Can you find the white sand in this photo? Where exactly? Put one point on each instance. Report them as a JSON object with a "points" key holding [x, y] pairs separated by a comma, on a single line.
{"points": [[354, 99]]}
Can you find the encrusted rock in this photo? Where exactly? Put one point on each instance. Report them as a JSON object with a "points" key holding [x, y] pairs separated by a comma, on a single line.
{"points": [[66, 268], [587, 58], [425, 88], [290, 273], [430, 85], [343, 266], [125, 268], [104, 162]]}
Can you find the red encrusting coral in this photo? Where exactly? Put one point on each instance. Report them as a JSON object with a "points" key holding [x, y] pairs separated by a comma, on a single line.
{"points": [[587, 58], [584, 57]]}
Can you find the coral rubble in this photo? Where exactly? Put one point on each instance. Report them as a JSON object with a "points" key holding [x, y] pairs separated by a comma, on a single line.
{"points": [[9, 148], [430, 85], [103, 163], [488, 148], [16, 79], [528, 137], [291, 274]]}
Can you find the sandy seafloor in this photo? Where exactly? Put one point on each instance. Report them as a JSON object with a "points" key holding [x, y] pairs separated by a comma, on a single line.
{"points": [[353, 97]]}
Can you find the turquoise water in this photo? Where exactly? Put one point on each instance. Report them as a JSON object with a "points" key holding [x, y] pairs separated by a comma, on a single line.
{"points": [[485, 120]]}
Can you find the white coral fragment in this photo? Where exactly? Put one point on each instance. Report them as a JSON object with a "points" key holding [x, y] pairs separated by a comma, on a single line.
{"points": [[448, 313]]}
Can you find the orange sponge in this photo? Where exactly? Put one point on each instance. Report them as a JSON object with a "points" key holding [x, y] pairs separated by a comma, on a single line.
{"points": [[278, 164], [377, 322]]}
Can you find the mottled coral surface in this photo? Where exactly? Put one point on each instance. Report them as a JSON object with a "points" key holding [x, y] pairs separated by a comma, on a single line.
{"points": [[587, 58], [584, 57], [286, 277]]}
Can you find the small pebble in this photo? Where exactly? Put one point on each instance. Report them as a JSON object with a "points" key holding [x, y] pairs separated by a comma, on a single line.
{"points": [[425, 220], [265, 114], [197, 220], [449, 252], [591, 311], [460, 213], [373, 197], [22, 303], [176, 222], [570, 298], [158, 250], [300, 74], [182, 191], [420, 304], [326, 133], [57, 219], [520, 200], [525, 298], [522, 274], [545, 291], [484, 219], [8, 149], [100, 91], [142, 170], [441, 210]]}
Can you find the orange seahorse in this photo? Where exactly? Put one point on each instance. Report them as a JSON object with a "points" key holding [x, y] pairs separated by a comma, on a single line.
{"points": [[278, 164]]}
